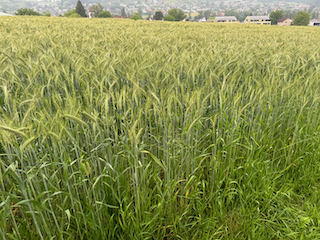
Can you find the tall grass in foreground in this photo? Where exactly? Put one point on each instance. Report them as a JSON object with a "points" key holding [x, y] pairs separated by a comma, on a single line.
{"points": [[117, 129]]}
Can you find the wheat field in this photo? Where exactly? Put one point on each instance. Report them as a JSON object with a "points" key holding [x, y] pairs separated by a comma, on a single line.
{"points": [[121, 129]]}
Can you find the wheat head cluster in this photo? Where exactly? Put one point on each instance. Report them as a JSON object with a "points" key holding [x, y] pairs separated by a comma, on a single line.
{"points": [[120, 129]]}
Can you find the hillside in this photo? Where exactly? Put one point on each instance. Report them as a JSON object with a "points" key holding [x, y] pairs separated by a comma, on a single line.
{"points": [[12, 5]]}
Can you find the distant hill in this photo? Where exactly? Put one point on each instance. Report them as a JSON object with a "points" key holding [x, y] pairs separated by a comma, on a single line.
{"points": [[11, 6]]}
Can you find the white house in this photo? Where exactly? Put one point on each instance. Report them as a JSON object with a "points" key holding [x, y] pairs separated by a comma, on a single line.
{"points": [[5, 14], [263, 20], [227, 19], [314, 23]]}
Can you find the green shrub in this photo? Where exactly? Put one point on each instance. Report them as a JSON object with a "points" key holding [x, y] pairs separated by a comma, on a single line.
{"points": [[135, 17], [169, 18], [105, 14], [69, 13], [26, 11], [46, 14], [75, 15]]}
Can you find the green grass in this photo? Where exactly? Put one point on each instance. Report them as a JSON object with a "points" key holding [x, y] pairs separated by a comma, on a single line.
{"points": [[120, 129]]}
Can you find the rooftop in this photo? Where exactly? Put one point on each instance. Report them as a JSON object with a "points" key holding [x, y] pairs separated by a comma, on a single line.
{"points": [[282, 19], [259, 17], [226, 18], [315, 20], [5, 14]]}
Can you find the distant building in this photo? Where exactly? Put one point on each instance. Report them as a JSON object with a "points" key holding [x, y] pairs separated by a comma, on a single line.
{"points": [[5, 14], [229, 19], [284, 21], [314, 23], [262, 20], [203, 19], [90, 10]]}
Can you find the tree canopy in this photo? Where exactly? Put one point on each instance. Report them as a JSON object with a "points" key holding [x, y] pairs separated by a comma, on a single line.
{"points": [[178, 14], [158, 16], [74, 15], [199, 16], [46, 14], [302, 19], [27, 11], [138, 14], [207, 13], [135, 17], [123, 12], [105, 14], [169, 18], [69, 13], [97, 9], [80, 9], [275, 16]]}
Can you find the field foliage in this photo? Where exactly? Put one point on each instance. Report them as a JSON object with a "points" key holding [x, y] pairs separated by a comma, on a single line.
{"points": [[120, 129]]}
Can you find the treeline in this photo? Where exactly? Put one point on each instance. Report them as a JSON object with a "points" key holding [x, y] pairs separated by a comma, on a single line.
{"points": [[97, 11], [31, 12], [241, 15]]}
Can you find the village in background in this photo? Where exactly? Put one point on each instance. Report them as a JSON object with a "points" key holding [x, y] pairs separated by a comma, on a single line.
{"points": [[241, 11], [195, 10]]}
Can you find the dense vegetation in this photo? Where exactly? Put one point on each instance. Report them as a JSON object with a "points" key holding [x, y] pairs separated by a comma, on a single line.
{"points": [[119, 129]]}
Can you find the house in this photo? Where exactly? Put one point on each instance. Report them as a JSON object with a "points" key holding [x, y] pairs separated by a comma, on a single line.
{"points": [[284, 21], [203, 19], [229, 19], [262, 20], [90, 10], [314, 23], [5, 14]]}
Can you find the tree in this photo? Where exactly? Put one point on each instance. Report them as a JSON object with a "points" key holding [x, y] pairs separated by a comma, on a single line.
{"points": [[123, 12], [290, 13], [97, 9], [69, 13], [74, 15], [80, 9], [199, 16], [138, 14], [302, 19], [135, 17], [26, 11], [178, 14], [46, 14], [105, 14], [169, 18], [314, 14], [275, 16], [158, 16], [207, 14]]}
